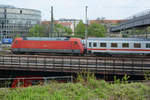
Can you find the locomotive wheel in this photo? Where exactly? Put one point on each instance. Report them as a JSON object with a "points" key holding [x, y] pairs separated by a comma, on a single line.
{"points": [[15, 52], [18, 52]]}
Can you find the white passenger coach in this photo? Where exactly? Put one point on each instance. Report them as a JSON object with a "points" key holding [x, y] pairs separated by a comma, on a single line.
{"points": [[118, 45]]}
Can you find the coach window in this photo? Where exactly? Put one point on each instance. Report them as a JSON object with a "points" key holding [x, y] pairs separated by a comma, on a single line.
{"points": [[125, 45], [147, 45], [90, 44], [114, 45], [94, 44], [137, 45], [102, 44]]}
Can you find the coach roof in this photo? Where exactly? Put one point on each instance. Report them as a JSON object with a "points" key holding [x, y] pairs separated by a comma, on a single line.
{"points": [[119, 39]]}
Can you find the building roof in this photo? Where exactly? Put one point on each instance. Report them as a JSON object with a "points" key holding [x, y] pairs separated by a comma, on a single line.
{"points": [[48, 22], [13, 7], [66, 23], [6, 6]]}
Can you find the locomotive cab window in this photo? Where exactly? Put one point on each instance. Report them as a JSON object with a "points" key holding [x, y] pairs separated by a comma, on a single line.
{"points": [[147, 45], [75, 42], [125, 45], [16, 41], [90, 44], [137, 45], [114, 45], [102, 44], [94, 44]]}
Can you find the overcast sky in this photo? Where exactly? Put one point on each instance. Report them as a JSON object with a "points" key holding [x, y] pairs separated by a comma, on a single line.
{"points": [[110, 9]]}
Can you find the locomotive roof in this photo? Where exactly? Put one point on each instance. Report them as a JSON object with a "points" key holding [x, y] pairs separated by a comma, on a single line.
{"points": [[119, 39], [46, 38]]}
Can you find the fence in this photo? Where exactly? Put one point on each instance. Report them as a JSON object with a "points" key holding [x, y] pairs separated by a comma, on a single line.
{"points": [[29, 81]]}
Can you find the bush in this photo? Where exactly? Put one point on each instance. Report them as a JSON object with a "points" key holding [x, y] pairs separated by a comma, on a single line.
{"points": [[87, 87]]}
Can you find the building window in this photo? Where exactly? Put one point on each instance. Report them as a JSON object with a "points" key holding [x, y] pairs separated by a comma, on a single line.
{"points": [[147, 45], [125, 45], [114, 45], [102, 44], [90, 44], [20, 11], [137, 45], [95, 44]]}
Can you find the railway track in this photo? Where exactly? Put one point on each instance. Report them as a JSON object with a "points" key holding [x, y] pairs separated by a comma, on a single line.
{"points": [[76, 64], [83, 57]]}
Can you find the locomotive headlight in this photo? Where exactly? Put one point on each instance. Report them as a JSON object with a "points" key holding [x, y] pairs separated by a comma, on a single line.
{"points": [[45, 46]]}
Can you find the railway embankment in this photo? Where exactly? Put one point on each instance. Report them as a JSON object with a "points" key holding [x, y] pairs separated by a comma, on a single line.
{"points": [[84, 89]]}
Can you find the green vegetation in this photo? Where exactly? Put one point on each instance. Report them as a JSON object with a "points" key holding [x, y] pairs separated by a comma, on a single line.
{"points": [[94, 30], [136, 32], [97, 30], [43, 31], [80, 30], [147, 76], [84, 89], [62, 30], [17, 35], [37, 31]]}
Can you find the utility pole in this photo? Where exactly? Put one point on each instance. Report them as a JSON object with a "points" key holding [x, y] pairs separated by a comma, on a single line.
{"points": [[146, 32], [86, 22], [51, 23]]}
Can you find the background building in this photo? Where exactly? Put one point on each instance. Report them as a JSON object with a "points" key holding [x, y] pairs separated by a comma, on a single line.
{"points": [[69, 23], [104, 21], [17, 21]]}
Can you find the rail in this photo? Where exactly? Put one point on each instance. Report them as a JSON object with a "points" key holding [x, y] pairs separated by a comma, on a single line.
{"points": [[130, 66]]}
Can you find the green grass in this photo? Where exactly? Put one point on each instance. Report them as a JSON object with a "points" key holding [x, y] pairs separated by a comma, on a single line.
{"points": [[91, 89]]}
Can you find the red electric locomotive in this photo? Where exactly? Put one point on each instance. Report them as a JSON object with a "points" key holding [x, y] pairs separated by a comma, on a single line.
{"points": [[47, 45]]}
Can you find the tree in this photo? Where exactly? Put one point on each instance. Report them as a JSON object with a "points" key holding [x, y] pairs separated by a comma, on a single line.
{"points": [[17, 35], [68, 31], [148, 30], [80, 30], [37, 31], [96, 30], [62, 30], [43, 30]]}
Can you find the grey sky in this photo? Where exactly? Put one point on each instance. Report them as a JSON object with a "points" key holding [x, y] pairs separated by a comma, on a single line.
{"points": [[111, 9]]}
